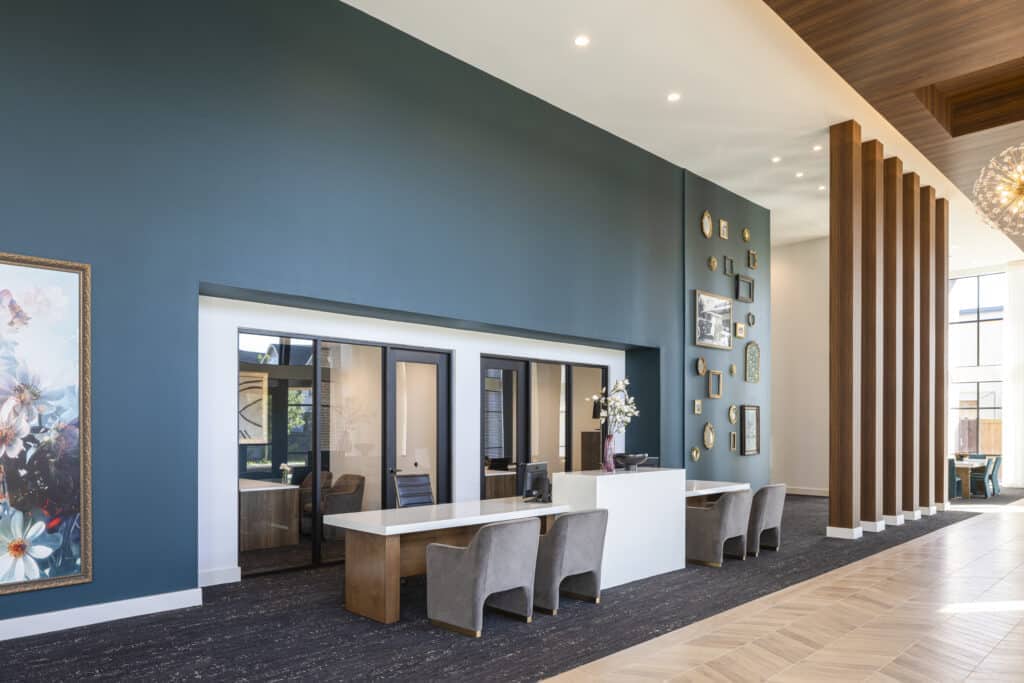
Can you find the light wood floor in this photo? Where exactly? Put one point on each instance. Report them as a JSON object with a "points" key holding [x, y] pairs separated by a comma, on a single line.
{"points": [[948, 606]]}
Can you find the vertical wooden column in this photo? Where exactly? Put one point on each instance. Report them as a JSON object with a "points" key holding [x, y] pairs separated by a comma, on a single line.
{"points": [[911, 344], [871, 400], [926, 452], [940, 352], [892, 365], [844, 331]]}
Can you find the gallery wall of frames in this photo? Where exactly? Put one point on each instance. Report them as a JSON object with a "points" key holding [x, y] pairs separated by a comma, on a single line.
{"points": [[727, 333]]}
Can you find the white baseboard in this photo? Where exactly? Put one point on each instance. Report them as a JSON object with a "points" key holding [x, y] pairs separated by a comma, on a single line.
{"points": [[945, 507], [844, 533], [47, 622], [214, 577], [910, 515], [893, 520], [873, 527], [929, 510], [797, 491]]}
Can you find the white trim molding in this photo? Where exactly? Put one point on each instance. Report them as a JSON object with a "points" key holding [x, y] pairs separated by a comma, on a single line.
{"points": [[47, 622], [797, 491], [844, 533], [873, 527], [911, 515], [893, 520], [928, 510], [946, 507], [215, 577]]}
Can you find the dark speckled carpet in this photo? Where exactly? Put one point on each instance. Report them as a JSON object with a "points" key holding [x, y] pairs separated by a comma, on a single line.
{"points": [[292, 626]]}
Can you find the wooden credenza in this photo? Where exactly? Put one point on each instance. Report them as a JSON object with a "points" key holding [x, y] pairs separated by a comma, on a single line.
{"points": [[268, 514]]}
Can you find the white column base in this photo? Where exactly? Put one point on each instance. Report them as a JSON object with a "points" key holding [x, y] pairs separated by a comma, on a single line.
{"points": [[910, 515], [94, 614], [844, 533], [893, 520], [214, 577], [873, 527], [945, 507], [929, 510]]}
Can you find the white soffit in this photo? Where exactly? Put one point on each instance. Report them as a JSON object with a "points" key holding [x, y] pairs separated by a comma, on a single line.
{"points": [[750, 88]]}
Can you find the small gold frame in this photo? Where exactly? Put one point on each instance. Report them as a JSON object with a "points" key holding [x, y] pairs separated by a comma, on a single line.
{"points": [[709, 435], [733, 442], [741, 331], [746, 234], [734, 413], [716, 382], [695, 454], [698, 406], [707, 226], [723, 229]]}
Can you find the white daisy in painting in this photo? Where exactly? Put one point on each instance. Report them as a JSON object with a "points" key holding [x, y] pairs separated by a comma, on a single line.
{"points": [[22, 548], [13, 429], [26, 391]]}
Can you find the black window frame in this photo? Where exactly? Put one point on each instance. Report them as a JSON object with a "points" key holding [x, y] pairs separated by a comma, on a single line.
{"points": [[977, 320]]}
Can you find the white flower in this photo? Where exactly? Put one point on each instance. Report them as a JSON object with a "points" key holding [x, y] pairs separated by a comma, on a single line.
{"points": [[13, 428], [23, 547], [30, 398]]}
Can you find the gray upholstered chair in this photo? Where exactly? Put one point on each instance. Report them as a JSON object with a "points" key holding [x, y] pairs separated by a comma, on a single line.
{"points": [[345, 495], [765, 528], [496, 568], [569, 559], [413, 490], [306, 499], [710, 529]]}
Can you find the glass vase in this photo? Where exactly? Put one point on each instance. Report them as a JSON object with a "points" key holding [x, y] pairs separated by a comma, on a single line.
{"points": [[608, 462]]}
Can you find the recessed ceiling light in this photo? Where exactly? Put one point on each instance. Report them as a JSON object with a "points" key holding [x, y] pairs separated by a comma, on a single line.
{"points": [[816, 148], [821, 188], [582, 40], [776, 160], [799, 174], [674, 97]]}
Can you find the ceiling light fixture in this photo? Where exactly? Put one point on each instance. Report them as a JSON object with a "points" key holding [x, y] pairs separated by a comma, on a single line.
{"points": [[999, 192], [582, 40], [799, 174], [776, 160], [674, 97], [816, 148]]}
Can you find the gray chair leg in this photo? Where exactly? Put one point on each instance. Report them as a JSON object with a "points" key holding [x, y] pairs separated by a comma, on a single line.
{"points": [[518, 602], [754, 544], [736, 546], [583, 587], [772, 538]]}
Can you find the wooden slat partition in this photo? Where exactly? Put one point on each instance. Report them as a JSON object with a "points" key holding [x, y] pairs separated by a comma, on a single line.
{"points": [[941, 325], [892, 365], [872, 326], [926, 454], [911, 344], [844, 330]]}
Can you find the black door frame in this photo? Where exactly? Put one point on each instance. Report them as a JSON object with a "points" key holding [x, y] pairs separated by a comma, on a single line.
{"points": [[522, 368], [442, 360]]}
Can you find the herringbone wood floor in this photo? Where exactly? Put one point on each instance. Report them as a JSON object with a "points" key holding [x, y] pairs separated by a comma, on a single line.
{"points": [[948, 606]]}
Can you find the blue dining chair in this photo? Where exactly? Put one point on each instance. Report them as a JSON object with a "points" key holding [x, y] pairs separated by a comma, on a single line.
{"points": [[956, 485], [995, 475], [981, 479]]}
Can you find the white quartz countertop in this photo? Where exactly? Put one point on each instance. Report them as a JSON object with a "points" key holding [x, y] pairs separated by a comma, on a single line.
{"points": [[620, 473], [445, 516], [499, 473], [263, 485], [705, 487]]}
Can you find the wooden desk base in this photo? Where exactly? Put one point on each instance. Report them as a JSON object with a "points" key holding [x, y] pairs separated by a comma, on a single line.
{"points": [[375, 565]]}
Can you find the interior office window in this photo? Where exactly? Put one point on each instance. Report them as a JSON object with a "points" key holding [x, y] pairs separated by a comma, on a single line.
{"points": [[976, 306], [494, 422]]}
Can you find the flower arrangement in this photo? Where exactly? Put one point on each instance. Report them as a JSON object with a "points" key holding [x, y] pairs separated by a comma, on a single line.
{"points": [[617, 410], [286, 473]]}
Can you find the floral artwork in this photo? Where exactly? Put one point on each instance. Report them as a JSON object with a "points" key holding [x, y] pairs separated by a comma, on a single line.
{"points": [[45, 532]]}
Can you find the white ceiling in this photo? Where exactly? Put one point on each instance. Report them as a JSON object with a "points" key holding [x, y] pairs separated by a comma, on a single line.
{"points": [[751, 89]]}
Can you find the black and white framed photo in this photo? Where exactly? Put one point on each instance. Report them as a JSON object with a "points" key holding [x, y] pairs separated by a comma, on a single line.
{"points": [[713, 313], [750, 430], [745, 289]]}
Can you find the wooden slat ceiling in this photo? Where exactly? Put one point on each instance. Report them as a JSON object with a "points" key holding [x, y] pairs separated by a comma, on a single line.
{"points": [[890, 49]]}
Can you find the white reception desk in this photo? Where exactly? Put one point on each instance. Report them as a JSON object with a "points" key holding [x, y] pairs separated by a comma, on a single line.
{"points": [[646, 518]]}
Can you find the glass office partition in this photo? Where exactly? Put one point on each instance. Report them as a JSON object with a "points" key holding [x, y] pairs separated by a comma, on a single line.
{"points": [[503, 425], [351, 434], [547, 415], [587, 438], [275, 451]]}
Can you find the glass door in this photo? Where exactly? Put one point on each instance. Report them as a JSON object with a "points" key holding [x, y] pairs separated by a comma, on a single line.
{"points": [[417, 406], [504, 425]]}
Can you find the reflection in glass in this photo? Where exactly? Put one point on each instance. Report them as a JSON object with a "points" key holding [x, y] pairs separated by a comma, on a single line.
{"points": [[416, 420], [586, 438], [963, 344], [547, 415], [351, 429], [963, 299], [990, 342], [991, 296], [275, 430], [990, 432], [965, 395]]}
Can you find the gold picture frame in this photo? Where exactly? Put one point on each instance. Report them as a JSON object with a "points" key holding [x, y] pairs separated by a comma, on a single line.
{"points": [[709, 436], [741, 331], [695, 454], [9, 291], [712, 320], [723, 229], [707, 226], [698, 406], [716, 382]]}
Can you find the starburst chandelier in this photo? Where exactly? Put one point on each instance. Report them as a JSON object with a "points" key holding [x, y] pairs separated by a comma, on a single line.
{"points": [[999, 191]]}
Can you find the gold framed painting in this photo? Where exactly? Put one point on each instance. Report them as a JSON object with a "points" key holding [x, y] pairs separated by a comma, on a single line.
{"points": [[45, 426]]}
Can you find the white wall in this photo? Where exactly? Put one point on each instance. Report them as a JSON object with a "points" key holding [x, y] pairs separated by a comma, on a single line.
{"points": [[219, 322], [800, 366]]}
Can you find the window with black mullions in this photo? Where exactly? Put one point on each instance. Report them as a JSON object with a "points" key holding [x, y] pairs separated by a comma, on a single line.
{"points": [[976, 305], [977, 410]]}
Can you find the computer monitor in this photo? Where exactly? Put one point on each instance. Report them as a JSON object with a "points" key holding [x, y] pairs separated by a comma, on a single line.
{"points": [[533, 481]]}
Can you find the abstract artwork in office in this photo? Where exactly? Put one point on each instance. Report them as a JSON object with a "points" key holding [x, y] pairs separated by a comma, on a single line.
{"points": [[45, 512]]}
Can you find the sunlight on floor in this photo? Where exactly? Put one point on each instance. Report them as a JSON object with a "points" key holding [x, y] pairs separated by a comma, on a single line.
{"points": [[983, 607]]}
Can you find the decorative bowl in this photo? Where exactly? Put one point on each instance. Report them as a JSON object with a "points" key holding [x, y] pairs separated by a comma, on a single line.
{"points": [[630, 460]]}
